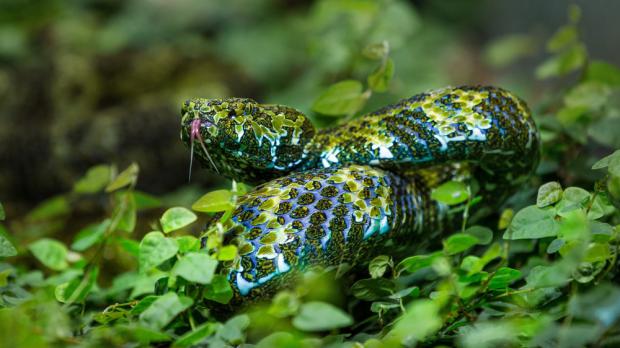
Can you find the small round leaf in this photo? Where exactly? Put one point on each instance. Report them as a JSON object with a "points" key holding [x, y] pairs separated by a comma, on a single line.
{"points": [[321, 316], [176, 218], [451, 193]]}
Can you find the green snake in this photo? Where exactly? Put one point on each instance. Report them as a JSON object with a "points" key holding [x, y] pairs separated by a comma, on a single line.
{"points": [[341, 195]]}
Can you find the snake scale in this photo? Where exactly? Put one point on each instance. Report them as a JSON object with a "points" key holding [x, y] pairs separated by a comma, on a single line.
{"points": [[341, 195]]}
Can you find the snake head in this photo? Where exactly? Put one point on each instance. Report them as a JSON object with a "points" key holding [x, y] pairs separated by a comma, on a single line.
{"points": [[244, 140]]}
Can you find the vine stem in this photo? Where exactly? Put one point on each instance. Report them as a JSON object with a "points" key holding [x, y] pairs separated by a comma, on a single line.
{"points": [[466, 210], [94, 260], [515, 292]]}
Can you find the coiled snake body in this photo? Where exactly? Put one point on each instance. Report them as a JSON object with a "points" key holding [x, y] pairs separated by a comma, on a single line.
{"points": [[339, 195]]}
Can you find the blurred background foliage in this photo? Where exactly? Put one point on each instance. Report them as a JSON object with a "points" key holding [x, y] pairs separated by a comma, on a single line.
{"points": [[92, 81], [88, 83]]}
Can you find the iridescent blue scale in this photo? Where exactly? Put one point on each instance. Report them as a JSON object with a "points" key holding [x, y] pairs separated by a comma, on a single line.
{"points": [[340, 195]]}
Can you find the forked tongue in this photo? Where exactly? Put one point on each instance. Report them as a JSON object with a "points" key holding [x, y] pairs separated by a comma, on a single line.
{"points": [[195, 134]]}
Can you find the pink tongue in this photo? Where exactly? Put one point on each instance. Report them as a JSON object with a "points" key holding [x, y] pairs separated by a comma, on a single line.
{"points": [[195, 132]]}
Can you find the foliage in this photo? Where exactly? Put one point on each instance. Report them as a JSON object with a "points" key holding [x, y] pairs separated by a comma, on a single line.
{"points": [[540, 272]]}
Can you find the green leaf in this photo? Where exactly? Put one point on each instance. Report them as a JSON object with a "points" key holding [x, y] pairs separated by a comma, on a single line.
{"points": [[343, 98], [284, 304], [378, 265], [415, 263], [380, 79], [505, 219], [144, 284], [382, 306], [122, 282], [601, 304], [573, 198], [78, 289], [6, 247], [376, 51], [565, 36], [574, 227], [145, 201], [614, 166], [90, 235], [586, 272], [218, 290], [597, 252], [196, 336], [20, 330], [130, 246], [590, 95], [600, 207], [474, 264], [555, 245], [161, 312], [483, 234], [127, 221], [574, 14], [143, 335], [413, 292], [605, 131], [321, 316], [451, 193], [548, 194], [409, 328], [233, 330], [144, 303], [555, 275], [503, 278], [176, 218], [532, 223], [569, 60], [459, 242], [227, 253], [214, 201], [195, 267], [51, 208], [603, 72], [4, 275], [571, 116], [188, 243], [601, 232], [373, 289], [2, 213], [508, 49], [613, 189], [65, 276], [126, 177], [95, 180], [50, 252], [281, 339], [155, 248], [491, 334], [576, 195]]}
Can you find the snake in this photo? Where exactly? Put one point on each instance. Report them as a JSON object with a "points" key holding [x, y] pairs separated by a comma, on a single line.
{"points": [[342, 194]]}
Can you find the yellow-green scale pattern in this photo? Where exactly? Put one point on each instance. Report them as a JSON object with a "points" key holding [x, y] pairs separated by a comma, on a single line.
{"points": [[333, 196]]}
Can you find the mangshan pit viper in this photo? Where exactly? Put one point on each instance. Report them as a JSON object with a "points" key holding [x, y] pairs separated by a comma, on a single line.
{"points": [[343, 194]]}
